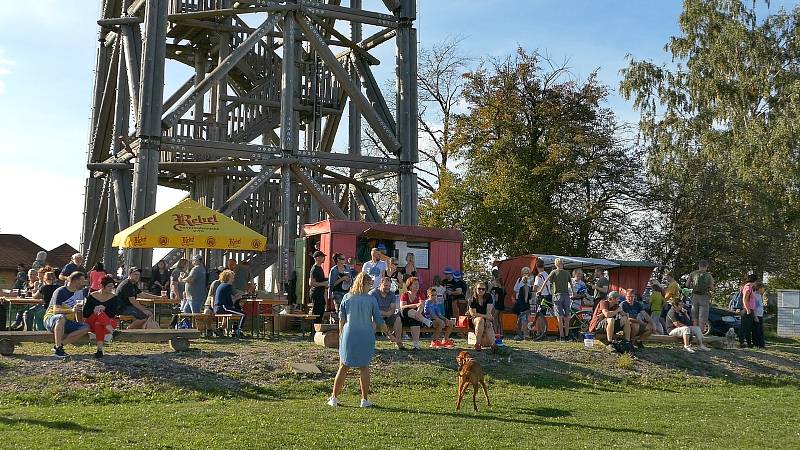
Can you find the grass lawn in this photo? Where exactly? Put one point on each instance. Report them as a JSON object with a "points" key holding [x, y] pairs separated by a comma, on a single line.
{"points": [[235, 394]]}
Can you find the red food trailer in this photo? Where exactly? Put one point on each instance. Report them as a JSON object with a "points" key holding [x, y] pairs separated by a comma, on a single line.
{"points": [[631, 274], [433, 248]]}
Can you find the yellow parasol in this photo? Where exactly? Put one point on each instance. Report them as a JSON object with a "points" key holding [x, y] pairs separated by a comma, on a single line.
{"points": [[190, 225]]}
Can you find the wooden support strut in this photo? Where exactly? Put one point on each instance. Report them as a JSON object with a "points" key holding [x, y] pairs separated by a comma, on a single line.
{"points": [[316, 191], [190, 98], [383, 131]]}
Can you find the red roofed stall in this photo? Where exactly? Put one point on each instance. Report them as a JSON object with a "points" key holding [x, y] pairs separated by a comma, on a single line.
{"points": [[434, 248]]}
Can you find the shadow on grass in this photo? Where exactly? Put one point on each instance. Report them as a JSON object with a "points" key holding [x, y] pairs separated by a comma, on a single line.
{"points": [[166, 372], [522, 421], [760, 368], [522, 367], [52, 424]]}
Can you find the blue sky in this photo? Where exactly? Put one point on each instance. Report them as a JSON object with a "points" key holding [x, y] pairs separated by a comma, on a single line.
{"points": [[47, 59]]}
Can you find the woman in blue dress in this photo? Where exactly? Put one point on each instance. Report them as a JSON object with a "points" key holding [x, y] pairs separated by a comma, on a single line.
{"points": [[357, 313]]}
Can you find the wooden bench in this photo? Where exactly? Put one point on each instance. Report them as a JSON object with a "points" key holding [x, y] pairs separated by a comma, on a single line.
{"points": [[179, 340]]}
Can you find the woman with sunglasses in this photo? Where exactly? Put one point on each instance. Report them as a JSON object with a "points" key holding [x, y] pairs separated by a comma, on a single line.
{"points": [[339, 282], [481, 311]]}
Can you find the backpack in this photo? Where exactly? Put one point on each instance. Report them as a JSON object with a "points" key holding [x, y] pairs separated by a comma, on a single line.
{"points": [[736, 301], [701, 283]]}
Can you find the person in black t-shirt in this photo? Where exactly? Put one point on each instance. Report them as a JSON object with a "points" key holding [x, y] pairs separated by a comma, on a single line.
{"points": [[318, 284], [480, 311], [499, 297], [128, 291]]}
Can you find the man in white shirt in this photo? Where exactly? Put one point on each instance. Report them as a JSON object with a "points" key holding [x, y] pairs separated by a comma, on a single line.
{"points": [[375, 267]]}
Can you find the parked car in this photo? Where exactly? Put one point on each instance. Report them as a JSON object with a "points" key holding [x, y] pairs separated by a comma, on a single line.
{"points": [[720, 321]]}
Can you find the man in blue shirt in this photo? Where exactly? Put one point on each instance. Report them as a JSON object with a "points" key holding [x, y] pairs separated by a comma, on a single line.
{"points": [[74, 265], [641, 323], [61, 316]]}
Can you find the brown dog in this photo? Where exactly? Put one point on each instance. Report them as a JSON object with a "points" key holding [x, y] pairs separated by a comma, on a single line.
{"points": [[470, 372]]}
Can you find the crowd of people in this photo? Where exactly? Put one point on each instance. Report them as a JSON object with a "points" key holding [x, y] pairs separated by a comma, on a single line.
{"points": [[75, 302], [619, 317]]}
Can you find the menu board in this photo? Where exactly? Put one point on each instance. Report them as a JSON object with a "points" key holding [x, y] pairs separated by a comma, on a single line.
{"points": [[419, 249]]}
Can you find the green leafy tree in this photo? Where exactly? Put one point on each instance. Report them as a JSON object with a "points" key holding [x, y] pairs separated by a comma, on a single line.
{"points": [[719, 127], [543, 167]]}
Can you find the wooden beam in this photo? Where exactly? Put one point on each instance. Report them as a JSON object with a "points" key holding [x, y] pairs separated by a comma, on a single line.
{"points": [[344, 178], [350, 14], [383, 131], [347, 42], [319, 195], [189, 99], [374, 92], [119, 21], [269, 7], [247, 190]]}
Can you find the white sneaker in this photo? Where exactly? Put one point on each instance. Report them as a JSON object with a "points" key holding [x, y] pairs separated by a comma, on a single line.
{"points": [[688, 348], [333, 401], [704, 348], [365, 403], [92, 336], [108, 338]]}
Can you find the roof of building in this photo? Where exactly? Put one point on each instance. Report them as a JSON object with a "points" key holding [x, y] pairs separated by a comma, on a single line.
{"points": [[15, 249], [60, 256], [384, 231], [633, 263]]}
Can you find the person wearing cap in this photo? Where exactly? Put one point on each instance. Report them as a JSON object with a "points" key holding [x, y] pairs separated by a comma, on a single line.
{"points": [[127, 293], [318, 284], [375, 267], [457, 291], [679, 324], [609, 319], [195, 286], [447, 283]]}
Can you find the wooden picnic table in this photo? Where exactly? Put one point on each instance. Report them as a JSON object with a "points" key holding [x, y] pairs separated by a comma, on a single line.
{"points": [[156, 302], [17, 302], [270, 301]]}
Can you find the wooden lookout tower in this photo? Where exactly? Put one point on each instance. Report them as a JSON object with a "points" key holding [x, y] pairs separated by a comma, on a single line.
{"points": [[248, 129]]}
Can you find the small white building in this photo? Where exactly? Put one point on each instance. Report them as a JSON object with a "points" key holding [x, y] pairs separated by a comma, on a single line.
{"points": [[788, 313]]}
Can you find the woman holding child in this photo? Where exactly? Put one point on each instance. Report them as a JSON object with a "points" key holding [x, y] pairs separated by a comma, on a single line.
{"points": [[98, 310]]}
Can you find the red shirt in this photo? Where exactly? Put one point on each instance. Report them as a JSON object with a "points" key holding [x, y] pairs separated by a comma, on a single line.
{"points": [[598, 314], [405, 299]]}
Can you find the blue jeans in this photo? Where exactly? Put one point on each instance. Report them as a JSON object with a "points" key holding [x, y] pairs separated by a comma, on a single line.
{"points": [[69, 326], [193, 306]]}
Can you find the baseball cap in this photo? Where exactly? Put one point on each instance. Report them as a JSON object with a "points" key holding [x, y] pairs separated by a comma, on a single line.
{"points": [[457, 274], [447, 270], [133, 270], [613, 294], [197, 257], [318, 253]]}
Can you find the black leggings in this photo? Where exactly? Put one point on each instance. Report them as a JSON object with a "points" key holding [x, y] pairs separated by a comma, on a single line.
{"points": [[758, 332], [319, 307], [746, 329]]}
